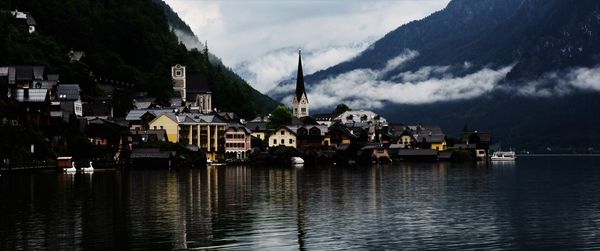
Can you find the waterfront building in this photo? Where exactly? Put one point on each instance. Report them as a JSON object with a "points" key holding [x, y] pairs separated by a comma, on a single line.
{"points": [[312, 136], [480, 140], [300, 105], [204, 131], [258, 127], [237, 142], [283, 136]]}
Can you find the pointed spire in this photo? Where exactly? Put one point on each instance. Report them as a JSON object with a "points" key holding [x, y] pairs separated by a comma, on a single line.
{"points": [[300, 79]]}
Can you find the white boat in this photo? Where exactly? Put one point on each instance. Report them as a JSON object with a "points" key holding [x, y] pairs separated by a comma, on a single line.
{"points": [[88, 169], [70, 169], [504, 156], [297, 160]]}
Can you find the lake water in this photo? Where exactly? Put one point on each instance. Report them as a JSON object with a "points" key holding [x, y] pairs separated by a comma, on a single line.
{"points": [[537, 202]]}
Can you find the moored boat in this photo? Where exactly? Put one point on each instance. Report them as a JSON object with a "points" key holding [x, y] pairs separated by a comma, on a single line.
{"points": [[297, 160], [504, 156]]}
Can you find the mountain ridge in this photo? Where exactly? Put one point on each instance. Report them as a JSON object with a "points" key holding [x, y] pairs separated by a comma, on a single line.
{"points": [[552, 49]]}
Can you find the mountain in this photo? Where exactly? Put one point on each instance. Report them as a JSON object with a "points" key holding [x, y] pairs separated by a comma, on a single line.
{"points": [[133, 43], [525, 70]]}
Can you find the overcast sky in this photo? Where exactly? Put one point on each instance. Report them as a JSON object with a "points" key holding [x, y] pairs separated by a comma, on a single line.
{"points": [[259, 38]]}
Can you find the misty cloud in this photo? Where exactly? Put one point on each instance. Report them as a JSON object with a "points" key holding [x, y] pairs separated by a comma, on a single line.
{"points": [[364, 88], [560, 83], [267, 71]]}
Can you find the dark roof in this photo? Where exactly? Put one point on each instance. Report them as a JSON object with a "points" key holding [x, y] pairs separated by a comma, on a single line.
{"points": [[300, 79], [238, 127], [430, 138], [484, 137], [70, 92], [196, 83], [324, 116], [30, 20], [23, 73], [257, 126]]}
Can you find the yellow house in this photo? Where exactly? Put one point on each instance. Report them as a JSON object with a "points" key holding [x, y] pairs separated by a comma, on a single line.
{"points": [[284, 135], [440, 146], [204, 131], [167, 123]]}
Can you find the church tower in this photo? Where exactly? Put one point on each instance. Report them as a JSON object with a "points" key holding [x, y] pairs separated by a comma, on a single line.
{"points": [[179, 80], [300, 103]]}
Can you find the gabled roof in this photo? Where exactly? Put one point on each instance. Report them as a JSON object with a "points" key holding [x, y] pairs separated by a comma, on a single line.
{"points": [[138, 113], [238, 127], [255, 126], [68, 92], [289, 128], [323, 116], [30, 19]]}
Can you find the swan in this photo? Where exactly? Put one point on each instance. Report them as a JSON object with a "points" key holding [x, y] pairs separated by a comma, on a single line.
{"points": [[88, 169], [70, 169]]}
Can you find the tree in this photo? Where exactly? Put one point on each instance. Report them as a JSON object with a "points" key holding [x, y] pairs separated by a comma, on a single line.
{"points": [[280, 116], [341, 108]]}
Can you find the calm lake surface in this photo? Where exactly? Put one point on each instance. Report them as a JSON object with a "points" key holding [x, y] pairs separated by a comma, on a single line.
{"points": [[537, 202]]}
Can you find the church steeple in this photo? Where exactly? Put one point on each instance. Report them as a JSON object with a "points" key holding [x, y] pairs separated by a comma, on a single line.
{"points": [[300, 102], [300, 79]]}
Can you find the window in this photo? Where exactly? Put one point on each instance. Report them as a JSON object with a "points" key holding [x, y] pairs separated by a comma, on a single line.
{"points": [[282, 132], [283, 141], [291, 141], [274, 142], [161, 127], [154, 127], [303, 109]]}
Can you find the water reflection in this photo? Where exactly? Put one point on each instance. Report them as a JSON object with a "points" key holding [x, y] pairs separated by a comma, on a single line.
{"points": [[527, 204]]}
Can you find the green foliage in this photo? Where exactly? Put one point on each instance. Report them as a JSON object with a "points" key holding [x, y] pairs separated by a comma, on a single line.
{"points": [[129, 43], [16, 141], [341, 108], [280, 116]]}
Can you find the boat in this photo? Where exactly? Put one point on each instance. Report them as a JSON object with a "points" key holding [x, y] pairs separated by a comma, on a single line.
{"points": [[297, 160], [503, 156], [71, 169], [88, 169]]}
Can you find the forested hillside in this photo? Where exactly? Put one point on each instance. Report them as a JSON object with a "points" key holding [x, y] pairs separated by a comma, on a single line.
{"points": [[128, 42]]}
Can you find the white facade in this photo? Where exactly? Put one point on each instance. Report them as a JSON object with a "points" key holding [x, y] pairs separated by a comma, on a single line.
{"points": [[300, 107]]}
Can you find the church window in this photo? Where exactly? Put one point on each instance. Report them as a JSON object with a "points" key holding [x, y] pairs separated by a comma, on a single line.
{"points": [[303, 109]]}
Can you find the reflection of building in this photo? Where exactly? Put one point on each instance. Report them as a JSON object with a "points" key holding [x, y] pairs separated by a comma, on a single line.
{"points": [[300, 102], [194, 89], [204, 131]]}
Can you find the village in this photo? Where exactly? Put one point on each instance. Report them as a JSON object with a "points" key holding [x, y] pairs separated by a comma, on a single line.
{"points": [[188, 131]]}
